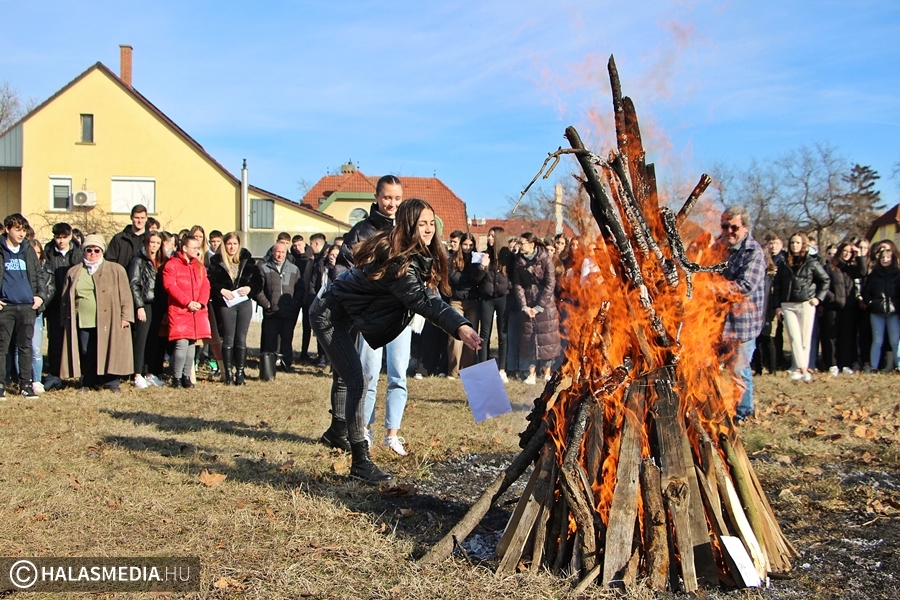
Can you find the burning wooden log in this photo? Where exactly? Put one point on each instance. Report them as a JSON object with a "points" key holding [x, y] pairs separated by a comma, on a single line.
{"points": [[639, 471]]}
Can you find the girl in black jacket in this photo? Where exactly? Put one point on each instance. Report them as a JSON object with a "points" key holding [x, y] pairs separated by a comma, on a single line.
{"points": [[882, 297], [493, 290], [397, 273], [142, 275], [233, 275], [800, 285], [464, 276]]}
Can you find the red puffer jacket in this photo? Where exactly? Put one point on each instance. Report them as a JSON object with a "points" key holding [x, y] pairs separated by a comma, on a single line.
{"points": [[185, 281]]}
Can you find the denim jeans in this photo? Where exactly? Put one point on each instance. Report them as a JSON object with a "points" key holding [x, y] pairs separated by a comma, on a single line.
{"points": [[397, 364], [743, 376], [879, 324]]}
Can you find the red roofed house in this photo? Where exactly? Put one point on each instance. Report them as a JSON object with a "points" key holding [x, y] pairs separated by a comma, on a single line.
{"points": [[886, 227], [349, 196]]}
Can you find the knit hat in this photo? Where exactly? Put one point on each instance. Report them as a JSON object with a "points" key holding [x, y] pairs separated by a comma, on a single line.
{"points": [[94, 239]]}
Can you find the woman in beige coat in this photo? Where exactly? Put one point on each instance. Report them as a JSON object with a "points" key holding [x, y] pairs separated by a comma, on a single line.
{"points": [[97, 311]]}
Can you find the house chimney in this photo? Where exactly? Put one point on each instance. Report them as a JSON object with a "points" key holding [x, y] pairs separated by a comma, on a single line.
{"points": [[125, 64]]}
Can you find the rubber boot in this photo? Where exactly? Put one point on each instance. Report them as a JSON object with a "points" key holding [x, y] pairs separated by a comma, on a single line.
{"points": [[363, 468], [240, 356], [336, 435], [227, 364]]}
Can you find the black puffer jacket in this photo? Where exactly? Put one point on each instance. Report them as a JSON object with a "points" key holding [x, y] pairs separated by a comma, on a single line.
{"points": [[363, 230], [282, 291], [248, 275], [142, 279], [881, 292], [124, 246], [801, 282], [495, 283], [464, 284], [381, 309], [59, 264]]}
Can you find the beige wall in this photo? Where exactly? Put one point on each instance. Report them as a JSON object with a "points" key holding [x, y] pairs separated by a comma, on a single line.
{"points": [[887, 232], [10, 192], [129, 141], [341, 209]]}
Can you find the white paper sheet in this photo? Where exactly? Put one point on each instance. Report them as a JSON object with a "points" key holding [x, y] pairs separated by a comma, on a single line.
{"points": [[485, 391], [235, 299]]}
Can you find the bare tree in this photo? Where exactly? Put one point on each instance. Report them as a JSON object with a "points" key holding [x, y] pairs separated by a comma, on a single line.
{"points": [[539, 204], [12, 107]]}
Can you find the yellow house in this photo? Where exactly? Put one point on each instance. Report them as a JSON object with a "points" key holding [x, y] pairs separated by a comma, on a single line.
{"points": [[98, 147], [886, 227]]}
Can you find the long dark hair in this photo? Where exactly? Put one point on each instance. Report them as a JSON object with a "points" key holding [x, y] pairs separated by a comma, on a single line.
{"points": [[499, 250], [798, 259], [159, 257], [394, 248], [462, 259]]}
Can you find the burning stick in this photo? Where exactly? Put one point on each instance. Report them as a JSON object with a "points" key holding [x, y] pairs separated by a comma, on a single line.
{"points": [[698, 190]]}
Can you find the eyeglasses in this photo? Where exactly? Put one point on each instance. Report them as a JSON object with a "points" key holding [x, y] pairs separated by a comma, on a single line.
{"points": [[92, 250], [730, 227]]}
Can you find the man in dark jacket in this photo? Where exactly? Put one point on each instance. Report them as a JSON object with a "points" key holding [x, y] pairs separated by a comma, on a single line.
{"points": [[316, 251], [303, 256], [388, 196], [127, 242], [59, 256], [22, 292], [280, 299]]}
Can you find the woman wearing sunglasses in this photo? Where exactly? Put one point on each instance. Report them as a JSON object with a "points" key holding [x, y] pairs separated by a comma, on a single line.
{"points": [[98, 311]]}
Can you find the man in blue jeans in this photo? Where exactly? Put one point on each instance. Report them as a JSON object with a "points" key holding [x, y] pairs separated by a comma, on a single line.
{"points": [[388, 196], [747, 270], [22, 291]]}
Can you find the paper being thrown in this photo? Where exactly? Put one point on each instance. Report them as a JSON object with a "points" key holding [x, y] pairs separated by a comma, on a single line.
{"points": [[485, 391]]}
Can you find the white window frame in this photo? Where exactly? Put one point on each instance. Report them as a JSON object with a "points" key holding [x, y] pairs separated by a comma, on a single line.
{"points": [[57, 180], [151, 205]]}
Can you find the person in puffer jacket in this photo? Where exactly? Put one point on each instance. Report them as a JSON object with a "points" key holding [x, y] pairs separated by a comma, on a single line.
{"points": [[881, 294], [280, 296], [493, 290], [800, 286], [186, 283], [142, 273], [397, 273]]}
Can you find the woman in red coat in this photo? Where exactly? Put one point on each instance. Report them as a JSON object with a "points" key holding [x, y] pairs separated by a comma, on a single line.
{"points": [[186, 283]]}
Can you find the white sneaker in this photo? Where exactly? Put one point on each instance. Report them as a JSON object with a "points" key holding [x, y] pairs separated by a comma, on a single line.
{"points": [[796, 375], [530, 380], [368, 435], [807, 377], [155, 381], [503, 377], [847, 371], [38, 388], [417, 376], [140, 383], [395, 443], [451, 377], [833, 371]]}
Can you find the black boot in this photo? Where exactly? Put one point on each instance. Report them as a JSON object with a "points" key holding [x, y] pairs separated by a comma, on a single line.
{"points": [[176, 382], [227, 364], [186, 382], [363, 468], [336, 435], [240, 357]]}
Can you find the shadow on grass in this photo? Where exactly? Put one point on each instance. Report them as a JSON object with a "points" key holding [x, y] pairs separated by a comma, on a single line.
{"points": [[183, 424]]}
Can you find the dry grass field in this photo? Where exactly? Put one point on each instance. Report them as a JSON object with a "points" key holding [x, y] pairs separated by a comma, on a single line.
{"points": [[134, 474]]}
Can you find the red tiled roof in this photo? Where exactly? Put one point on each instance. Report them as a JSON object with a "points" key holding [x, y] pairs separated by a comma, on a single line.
{"points": [[891, 217], [447, 205]]}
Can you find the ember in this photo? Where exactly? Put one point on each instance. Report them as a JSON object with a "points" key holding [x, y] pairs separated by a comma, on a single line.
{"points": [[639, 471]]}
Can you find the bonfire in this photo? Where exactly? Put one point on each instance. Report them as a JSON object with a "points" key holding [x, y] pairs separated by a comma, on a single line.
{"points": [[639, 472]]}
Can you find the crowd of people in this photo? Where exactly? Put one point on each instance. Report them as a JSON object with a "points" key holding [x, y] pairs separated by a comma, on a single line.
{"points": [[150, 306]]}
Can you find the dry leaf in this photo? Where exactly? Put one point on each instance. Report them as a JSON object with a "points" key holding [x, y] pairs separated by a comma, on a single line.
{"points": [[240, 505], [435, 443], [73, 481], [813, 471], [464, 449], [869, 458], [400, 491], [865, 432], [496, 440], [227, 582], [286, 466], [211, 479], [340, 467], [112, 504], [784, 459], [405, 513]]}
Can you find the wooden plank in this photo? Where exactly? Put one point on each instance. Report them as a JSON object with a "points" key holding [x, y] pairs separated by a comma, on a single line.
{"points": [[656, 536], [735, 512], [704, 561], [623, 510], [718, 524], [674, 476], [522, 534], [513, 522], [707, 449], [540, 528]]}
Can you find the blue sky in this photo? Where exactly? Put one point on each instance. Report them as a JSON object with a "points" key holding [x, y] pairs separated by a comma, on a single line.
{"points": [[478, 92]]}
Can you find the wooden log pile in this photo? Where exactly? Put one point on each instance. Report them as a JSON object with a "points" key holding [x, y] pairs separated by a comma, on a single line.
{"points": [[639, 472]]}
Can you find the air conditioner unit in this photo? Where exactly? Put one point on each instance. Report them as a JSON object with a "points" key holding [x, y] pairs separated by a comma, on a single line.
{"points": [[84, 198]]}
